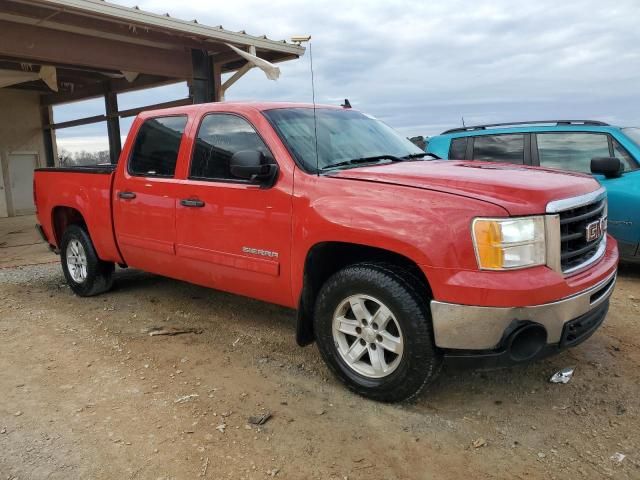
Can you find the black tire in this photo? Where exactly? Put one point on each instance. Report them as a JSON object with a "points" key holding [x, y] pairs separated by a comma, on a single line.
{"points": [[401, 293], [99, 275]]}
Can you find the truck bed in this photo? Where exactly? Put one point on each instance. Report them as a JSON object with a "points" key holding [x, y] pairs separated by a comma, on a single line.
{"points": [[61, 194]]}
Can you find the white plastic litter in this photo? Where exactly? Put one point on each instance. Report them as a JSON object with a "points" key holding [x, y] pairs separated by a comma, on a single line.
{"points": [[562, 376], [618, 457], [186, 398]]}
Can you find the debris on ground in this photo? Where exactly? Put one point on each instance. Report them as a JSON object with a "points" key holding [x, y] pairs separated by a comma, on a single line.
{"points": [[186, 398], [153, 331], [562, 376], [204, 468], [260, 419], [221, 427], [618, 457], [479, 442], [587, 422]]}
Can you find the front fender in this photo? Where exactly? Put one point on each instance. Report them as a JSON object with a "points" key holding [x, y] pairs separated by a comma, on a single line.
{"points": [[430, 228]]}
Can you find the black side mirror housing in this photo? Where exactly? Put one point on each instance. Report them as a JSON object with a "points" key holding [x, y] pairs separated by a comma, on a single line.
{"points": [[610, 167], [252, 165]]}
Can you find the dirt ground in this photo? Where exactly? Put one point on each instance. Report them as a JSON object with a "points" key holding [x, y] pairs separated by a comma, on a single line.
{"points": [[86, 393]]}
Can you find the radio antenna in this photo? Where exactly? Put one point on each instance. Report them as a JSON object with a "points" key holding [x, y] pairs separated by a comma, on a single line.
{"points": [[299, 40], [315, 116]]}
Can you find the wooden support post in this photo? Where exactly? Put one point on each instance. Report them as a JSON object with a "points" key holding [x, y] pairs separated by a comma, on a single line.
{"points": [[217, 82], [113, 125], [46, 118], [202, 88]]}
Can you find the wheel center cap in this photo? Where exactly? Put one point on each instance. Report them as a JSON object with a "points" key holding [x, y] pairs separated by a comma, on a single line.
{"points": [[368, 334]]}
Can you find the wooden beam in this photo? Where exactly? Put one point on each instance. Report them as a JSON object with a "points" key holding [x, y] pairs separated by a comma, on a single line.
{"points": [[37, 44], [173, 103], [76, 123], [117, 85], [122, 114]]}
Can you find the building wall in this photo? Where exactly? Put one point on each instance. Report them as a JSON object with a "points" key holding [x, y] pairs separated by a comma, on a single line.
{"points": [[20, 132]]}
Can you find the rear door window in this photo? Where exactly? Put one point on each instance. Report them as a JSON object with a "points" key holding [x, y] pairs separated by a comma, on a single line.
{"points": [[155, 151], [571, 151], [458, 149], [499, 148]]}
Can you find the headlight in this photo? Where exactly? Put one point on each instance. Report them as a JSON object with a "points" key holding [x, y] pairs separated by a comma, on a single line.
{"points": [[505, 243]]}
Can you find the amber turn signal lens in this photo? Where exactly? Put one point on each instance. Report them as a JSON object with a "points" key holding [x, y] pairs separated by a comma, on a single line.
{"points": [[507, 243], [488, 239]]}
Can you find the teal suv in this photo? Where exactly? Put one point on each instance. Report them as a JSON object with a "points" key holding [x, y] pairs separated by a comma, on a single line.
{"points": [[611, 154]]}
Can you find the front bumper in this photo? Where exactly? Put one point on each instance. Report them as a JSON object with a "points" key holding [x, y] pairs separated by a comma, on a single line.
{"points": [[468, 327]]}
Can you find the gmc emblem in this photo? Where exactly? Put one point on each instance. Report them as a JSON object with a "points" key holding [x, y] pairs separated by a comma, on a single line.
{"points": [[596, 229]]}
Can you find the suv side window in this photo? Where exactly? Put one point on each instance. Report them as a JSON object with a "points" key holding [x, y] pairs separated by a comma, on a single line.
{"points": [[155, 152], [220, 136], [458, 149], [571, 151], [499, 148], [620, 152]]}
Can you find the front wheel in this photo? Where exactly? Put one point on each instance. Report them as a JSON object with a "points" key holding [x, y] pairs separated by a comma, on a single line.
{"points": [[86, 274], [373, 328]]}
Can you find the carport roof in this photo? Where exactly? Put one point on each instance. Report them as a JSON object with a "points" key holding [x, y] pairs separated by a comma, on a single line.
{"points": [[134, 17], [91, 42]]}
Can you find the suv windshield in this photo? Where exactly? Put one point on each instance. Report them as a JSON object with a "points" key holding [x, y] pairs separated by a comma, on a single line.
{"points": [[633, 133], [343, 135]]}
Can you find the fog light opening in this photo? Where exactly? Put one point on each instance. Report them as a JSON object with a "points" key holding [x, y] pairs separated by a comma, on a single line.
{"points": [[526, 342]]}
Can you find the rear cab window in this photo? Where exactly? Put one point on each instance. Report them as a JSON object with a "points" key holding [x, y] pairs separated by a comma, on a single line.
{"points": [[155, 151], [506, 148]]}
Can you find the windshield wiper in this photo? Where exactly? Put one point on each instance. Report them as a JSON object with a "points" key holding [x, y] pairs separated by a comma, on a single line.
{"points": [[356, 161], [420, 155]]}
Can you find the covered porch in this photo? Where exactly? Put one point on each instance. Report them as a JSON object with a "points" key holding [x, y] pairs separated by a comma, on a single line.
{"points": [[59, 51]]}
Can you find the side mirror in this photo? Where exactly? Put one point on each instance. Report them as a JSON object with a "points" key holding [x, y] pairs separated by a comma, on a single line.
{"points": [[252, 165], [610, 167]]}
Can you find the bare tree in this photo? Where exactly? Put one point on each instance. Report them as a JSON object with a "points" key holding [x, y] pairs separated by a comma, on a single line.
{"points": [[68, 159]]}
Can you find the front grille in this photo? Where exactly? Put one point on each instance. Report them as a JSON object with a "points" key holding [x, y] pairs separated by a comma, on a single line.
{"points": [[575, 249]]}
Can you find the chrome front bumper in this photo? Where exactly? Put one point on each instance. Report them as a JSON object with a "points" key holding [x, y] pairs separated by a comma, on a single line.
{"points": [[467, 327]]}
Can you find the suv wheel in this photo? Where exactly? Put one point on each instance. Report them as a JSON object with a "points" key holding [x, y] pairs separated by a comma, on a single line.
{"points": [[373, 328], [86, 274]]}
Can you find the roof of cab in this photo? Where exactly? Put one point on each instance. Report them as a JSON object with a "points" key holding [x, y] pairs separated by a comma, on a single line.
{"points": [[226, 106]]}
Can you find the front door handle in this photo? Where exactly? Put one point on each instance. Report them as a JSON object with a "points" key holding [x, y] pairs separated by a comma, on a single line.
{"points": [[127, 195], [192, 202]]}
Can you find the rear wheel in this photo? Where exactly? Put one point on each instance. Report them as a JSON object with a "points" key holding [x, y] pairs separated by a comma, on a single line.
{"points": [[86, 274], [373, 328]]}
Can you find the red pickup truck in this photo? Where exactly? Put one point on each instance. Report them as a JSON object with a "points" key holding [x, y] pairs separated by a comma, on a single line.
{"points": [[394, 261]]}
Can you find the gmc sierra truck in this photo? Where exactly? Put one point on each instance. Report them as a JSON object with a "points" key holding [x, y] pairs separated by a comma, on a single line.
{"points": [[394, 261]]}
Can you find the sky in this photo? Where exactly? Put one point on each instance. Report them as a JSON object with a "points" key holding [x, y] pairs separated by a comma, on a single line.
{"points": [[421, 66]]}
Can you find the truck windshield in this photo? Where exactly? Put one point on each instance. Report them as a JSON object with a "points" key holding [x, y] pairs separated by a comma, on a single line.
{"points": [[343, 135], [633, 133]]}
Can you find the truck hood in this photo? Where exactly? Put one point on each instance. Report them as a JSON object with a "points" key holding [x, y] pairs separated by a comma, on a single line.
{"points": [[519, 189]]}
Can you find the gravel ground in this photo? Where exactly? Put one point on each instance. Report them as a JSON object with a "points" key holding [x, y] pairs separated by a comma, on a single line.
{"points": [[87, 393]]}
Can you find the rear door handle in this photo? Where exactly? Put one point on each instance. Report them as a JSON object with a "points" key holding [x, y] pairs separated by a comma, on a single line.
{"points": [[192, 202], [127, 195]]}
